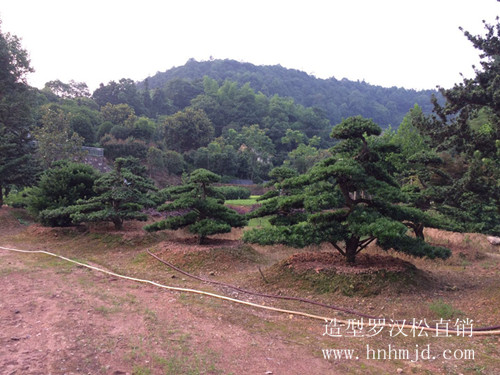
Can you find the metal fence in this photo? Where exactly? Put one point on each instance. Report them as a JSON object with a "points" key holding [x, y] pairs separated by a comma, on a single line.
{"points": [[94, 151]]}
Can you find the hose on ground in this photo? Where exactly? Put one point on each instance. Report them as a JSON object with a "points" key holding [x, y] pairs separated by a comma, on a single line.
{"points": [[229, 299], [291, 298]]}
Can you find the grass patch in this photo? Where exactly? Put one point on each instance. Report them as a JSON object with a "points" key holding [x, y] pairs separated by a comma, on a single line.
{"points": [[443, 310], [22, 217], [150, 316], [141, 370], [194, 364], [221, 258], [140, 258], [242, 202], [350, 285], [259, 222], [106, 238], [60, 265], [104, 310]]}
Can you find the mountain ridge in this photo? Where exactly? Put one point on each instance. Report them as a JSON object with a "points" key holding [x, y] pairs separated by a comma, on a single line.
{"points": [[337, 98]]}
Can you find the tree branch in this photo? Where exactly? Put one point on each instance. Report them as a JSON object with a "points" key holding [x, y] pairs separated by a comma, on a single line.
{"points": [[338, 248], [365, 243]]}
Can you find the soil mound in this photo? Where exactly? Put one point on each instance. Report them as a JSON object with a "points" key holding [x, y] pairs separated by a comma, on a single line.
{"points": [[327, 272], [365, 263]]}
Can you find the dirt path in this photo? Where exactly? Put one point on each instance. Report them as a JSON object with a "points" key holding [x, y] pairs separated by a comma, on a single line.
{"points": [[75, 321]]}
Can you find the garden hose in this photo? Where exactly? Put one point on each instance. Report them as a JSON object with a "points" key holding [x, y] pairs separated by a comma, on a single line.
{"points": [[299, 299], [234, 300]]}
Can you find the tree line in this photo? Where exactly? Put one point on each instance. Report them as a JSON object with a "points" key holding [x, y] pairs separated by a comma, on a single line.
{"points": [[226, 128], [338, 99], [352, 183]]}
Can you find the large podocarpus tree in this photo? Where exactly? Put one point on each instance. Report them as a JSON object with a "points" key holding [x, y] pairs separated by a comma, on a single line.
{"points": [[198, 206], [350, 200]]}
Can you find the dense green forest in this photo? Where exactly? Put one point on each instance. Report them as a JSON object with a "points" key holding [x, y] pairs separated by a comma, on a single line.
{"points": [[337, 98], [438, 165], [225, 126]]}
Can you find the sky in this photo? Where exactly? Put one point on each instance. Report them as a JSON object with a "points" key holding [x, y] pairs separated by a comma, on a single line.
{"points": [[402, 43]]}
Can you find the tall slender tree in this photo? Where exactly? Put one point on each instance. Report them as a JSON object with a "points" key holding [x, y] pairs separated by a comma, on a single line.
{"points": [[56, 140], [17, 166], [473, 197]]}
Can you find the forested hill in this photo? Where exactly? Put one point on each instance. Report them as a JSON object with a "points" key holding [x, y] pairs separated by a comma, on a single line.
{"points": [[338, 98]]}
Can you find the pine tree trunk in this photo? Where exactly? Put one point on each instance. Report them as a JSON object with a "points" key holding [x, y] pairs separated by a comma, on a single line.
{"points": [[419, 231], [1, 196], [351, 248], [118, 223]]}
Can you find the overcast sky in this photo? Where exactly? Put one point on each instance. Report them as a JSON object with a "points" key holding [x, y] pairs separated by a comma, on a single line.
{"points": [[411, 44]]}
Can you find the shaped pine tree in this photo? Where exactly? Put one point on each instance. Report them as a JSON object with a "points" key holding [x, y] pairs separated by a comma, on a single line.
{"points": [[350, 200], [198, 206], [121, 195]]}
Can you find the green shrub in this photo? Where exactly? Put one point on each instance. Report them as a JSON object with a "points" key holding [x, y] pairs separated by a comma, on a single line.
{"points": [[18, 199], [59, 187], [234, 192], [115, 148]]}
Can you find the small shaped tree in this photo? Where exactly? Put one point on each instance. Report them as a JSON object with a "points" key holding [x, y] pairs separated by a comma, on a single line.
{"points": [[60, 187], [197, 205], [120, 195], [350, 200]]}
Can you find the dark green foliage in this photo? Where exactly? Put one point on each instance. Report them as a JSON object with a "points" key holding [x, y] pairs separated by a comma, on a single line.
{"points": [[355, 128], [144, 129], [17, 166], [420, 171], [304, 157], [348, 200], [120, 132], [467, 129], [337, 98], [120, 195], [188, 130], [170, 162], [279, 174], [82, 126], [121, 92], [104, 129], [233, 192], [18, 199], [119, 148], [69, 90], [199, 206], [180, 92], [255, 151], [219, 157], [60, 187], [281, 203], [231, 105]]}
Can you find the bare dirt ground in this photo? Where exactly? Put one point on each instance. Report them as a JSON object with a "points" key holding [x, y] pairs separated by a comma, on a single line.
{"points": [[60, 318]]}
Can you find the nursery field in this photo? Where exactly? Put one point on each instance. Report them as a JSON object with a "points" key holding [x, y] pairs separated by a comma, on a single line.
{"points": [[60, 317]]}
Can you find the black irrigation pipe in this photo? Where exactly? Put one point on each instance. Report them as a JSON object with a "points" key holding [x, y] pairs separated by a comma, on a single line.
{"points": [[290, 298]]}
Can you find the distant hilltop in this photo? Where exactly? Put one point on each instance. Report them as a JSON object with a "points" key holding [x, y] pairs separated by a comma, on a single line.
{"points": [[337, 98]]}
